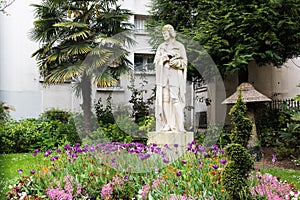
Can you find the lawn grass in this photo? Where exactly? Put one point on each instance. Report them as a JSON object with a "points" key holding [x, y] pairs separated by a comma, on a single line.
{"points": [[10, 163], [290, 175]]}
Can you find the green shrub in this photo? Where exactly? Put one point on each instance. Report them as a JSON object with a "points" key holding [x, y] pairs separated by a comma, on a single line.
{"points": [[242, 125], [234, 176], [141, 107], [268, 125], [56, 114], [239, 165], [114, 133], [104, 114], [29, 134]]}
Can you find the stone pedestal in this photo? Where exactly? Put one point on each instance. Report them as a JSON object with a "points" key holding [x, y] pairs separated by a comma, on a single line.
{"points": [[172, 139]]}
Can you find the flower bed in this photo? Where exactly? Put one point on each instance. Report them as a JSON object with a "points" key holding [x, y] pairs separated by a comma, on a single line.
{"points": [[132, 171]]}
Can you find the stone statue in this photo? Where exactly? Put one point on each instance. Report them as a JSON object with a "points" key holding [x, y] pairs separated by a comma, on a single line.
{"points": [[171, 68]]}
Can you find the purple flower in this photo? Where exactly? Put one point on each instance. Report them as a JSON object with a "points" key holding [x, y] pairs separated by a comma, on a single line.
{"points": [[19, 171], [166, 160], [215, 147], [167, 146], [144, 156], [215, 166], [183, 161], [125, 178], [259, 176], [222, 151], [274, 158], [223, 161], [67, 147], [175, 145], [178, 173], [58, 150], [35, 152], [200, 163], [32, 172], [201, 148]]}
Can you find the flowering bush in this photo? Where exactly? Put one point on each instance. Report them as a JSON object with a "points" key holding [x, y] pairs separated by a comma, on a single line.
{"points": [[274, 189], [125, 171]]}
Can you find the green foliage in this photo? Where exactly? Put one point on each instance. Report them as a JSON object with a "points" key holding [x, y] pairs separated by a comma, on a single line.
{"points": [[104, 113], [148, 124], [240, 163], [83, 41], [242, 125], [236, 32], [289, 142], [121, 131], [213, 135], [234, 176], [56, 114], [268, 125], [43, 133], [297, 98], [141, 107]]}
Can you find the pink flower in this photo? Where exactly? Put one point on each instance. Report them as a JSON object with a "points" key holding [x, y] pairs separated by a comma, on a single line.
{"points": [[145, 191], [106, 191]]}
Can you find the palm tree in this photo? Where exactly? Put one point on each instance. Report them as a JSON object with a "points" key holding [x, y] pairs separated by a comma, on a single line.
{"points": [[84, 41]]}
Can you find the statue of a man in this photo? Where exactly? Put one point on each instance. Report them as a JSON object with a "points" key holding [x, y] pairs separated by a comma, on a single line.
{"points": [[171, 67]]}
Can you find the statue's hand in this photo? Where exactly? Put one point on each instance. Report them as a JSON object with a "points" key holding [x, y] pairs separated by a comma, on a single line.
{"points": [[176, 63]]}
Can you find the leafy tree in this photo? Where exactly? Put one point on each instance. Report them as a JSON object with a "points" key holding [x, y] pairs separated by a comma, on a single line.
{"points": [[237, 32], [83, 41]]}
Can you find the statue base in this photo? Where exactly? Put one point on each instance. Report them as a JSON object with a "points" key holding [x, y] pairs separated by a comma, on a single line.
{"points": [[174, 140]]}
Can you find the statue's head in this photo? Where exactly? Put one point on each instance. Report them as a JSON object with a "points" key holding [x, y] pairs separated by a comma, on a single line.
{"points": [[170, 29]]}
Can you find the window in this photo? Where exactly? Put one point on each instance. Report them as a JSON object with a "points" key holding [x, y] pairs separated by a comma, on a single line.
{"points": [[202, 119], [143, 62], [140, 23]]}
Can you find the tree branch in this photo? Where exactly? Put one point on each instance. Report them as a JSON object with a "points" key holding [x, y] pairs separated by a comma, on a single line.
{"points": [[5, 4]]}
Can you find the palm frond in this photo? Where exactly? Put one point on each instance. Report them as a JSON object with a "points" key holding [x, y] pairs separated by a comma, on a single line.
{"points": [[104, 80], [76, 85], [83, 34], [99, 51], [104, 40], [77, 48], [62, 74], [70, 24]]}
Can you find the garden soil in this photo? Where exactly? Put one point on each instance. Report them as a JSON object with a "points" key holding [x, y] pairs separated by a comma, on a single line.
{"points": [[266, 161]]}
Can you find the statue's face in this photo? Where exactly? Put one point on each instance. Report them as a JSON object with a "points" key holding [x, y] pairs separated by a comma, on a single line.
{"points": [[166, 35]]}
